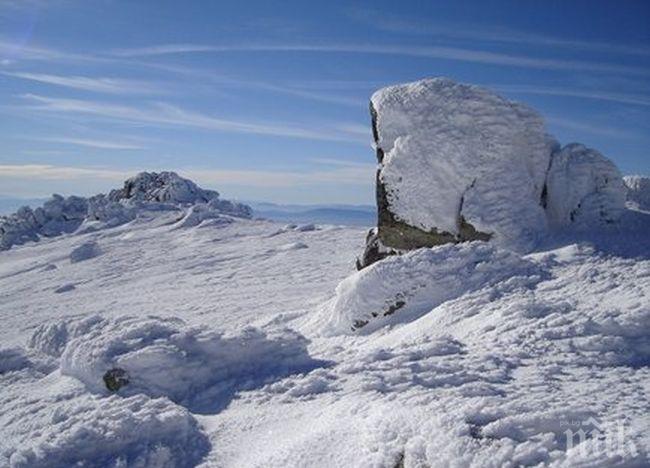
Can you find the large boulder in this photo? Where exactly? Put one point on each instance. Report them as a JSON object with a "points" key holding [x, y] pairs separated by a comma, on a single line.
{"points": [[456, 163], [638, 191], [584, 189]]}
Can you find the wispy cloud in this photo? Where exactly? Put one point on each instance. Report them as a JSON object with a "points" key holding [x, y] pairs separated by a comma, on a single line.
{"points": [[435, 52], [166, 114], [587, 127], [624, 98], [224, 81], [49, 172], [99, 85], [476, 32], [99, 144], [11, 51], [344, 162], [207, 177]]}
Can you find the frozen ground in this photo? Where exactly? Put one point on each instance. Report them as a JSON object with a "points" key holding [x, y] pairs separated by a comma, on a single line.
{"points": [[237, 349]]}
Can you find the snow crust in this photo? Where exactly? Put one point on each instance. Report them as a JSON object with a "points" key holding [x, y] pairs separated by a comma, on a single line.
{"points": [[453, 150], [638, 191], [584, 188], [63, 426], [491, 374]]}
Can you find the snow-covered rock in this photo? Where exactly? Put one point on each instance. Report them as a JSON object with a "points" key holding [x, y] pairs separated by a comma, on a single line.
{"points": [[163, 187], [638, 191], [401, 288], [57, 216], [146, 192], [583, 188], [85, 251], [457, 162], [195, 367]]}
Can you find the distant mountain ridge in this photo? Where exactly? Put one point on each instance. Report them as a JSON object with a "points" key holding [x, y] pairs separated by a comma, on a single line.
{"points": [[349, 215]]}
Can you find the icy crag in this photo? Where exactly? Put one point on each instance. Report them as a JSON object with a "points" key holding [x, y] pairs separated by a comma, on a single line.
{"points": [[460, 163], [145, 192]]}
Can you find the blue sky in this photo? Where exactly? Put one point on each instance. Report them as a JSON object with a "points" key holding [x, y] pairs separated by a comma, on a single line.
{"points": [[268, 100]]}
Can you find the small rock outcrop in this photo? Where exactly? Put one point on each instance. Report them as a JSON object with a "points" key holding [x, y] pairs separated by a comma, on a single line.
{"points": [[145, 191], [162, 187], [638, 191], [460, 163]]}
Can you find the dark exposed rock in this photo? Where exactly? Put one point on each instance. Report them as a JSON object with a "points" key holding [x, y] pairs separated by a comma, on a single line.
{"points": [[393, 235], [115, 379]]}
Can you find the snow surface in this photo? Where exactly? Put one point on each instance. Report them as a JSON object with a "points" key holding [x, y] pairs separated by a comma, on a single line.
{"points": [[638, 191], [227, 333], [453, 150]]}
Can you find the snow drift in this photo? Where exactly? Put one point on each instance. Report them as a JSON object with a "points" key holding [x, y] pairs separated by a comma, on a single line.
{"points": [[194, 367], [400, 289], [147, 191], [64, 426]]}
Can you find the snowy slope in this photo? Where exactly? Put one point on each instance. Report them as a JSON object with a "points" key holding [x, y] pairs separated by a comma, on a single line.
{"points": [[224, 333]]}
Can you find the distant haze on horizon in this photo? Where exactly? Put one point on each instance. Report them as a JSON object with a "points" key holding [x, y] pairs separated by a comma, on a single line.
{"points": [[269, 100]]}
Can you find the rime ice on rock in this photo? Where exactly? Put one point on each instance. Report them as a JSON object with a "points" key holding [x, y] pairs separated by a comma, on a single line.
{"points": [[457, 163], [162, 187], [145, 191], [638, 191], [583, 188], [460, 163]]}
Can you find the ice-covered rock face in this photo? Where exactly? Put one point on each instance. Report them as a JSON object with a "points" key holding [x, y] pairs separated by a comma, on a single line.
{"points": [[164, 187], [583, 188], [457, 162], [638, 191]]}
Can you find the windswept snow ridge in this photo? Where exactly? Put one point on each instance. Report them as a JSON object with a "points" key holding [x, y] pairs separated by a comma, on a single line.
{"points": [[489, 362], [400, 289]]}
